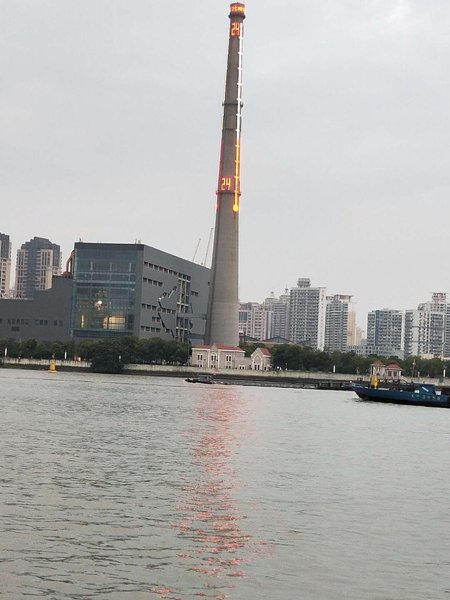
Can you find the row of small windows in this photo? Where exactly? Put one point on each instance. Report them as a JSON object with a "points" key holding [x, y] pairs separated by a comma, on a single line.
{"points": [[152, 329], [161, 269], [149, 307], [201, 357], [164, 311], [152, 282], [166, 270], [56, 322]]}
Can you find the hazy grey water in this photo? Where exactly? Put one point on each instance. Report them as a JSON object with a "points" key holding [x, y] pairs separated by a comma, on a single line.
{"points": [[130, 487]]}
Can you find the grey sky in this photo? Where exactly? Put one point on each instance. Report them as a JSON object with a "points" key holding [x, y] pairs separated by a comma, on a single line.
{"points": [[110, 116]]}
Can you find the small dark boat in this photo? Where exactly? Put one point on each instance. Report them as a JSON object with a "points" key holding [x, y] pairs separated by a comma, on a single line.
{"points": [[420, 394], [200, 379]]}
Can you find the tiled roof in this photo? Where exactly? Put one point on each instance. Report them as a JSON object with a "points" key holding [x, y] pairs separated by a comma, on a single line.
{"points": [[264, 351]]}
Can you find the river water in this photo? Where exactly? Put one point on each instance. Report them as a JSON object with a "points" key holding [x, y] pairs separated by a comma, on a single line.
{"points": [[122, 487]]}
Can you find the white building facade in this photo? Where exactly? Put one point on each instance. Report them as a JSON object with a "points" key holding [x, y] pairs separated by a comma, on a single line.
{"points": [[340, 323], [307, 312], [255, 320], [427, 329]]}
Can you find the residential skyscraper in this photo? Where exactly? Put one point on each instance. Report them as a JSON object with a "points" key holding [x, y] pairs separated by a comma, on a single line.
{"points": [[307, 314], [223, 306], [385, 332], [427, 328], [5, 265], [255, 320], [340, 323], [37, 261], [280, 314]]}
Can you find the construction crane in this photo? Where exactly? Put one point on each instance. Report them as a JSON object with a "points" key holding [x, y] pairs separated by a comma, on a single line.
{"points": [[208, 246], [196, 249]]}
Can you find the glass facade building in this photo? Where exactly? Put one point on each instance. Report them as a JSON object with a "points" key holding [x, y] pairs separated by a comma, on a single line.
{"points": [[133, 289], [104, 291]]}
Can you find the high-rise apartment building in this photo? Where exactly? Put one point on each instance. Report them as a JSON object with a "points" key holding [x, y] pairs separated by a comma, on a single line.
{"points": [[279, 308], [37, 262], [5, 265], [424, 333], [340, 323], [427, 329], [385, 332], [255, 321], [307, 311]]}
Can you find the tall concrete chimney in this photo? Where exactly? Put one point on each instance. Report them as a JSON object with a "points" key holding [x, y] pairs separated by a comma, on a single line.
{"points": [[222, 322]]}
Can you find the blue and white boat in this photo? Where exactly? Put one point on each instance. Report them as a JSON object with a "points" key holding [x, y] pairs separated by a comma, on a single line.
{"points": [[413, 394]]}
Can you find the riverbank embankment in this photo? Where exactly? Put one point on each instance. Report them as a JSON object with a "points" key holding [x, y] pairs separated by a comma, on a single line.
{"points": [[298, 379]]}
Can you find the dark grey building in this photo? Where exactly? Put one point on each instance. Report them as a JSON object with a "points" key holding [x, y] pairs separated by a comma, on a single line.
{"points": [[45, 318], [385, 331], [133, 289], [5, 264]]}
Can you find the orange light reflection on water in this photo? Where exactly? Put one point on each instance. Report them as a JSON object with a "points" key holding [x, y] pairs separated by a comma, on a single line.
{"points": [[217, 548]]}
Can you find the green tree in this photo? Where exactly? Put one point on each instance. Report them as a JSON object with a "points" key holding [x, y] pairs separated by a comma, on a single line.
{"points": [[151, 350], [11, 346], [105, 357], [28, 348]]}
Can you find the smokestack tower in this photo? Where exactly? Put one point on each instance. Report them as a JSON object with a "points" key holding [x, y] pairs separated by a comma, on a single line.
{"points": [[222, 322]]}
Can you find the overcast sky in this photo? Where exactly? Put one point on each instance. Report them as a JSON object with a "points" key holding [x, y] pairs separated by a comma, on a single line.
{"points": [[110, 118]]}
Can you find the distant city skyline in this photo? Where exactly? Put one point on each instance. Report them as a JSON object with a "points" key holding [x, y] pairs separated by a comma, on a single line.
{"points": [[346, 137], [361, 320]]}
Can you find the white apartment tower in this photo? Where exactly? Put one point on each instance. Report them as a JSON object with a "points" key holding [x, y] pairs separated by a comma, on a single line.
{"points": [[5, 265], [427, 329], [37, 261], [340, 323], [255, 321], [307, 311]]}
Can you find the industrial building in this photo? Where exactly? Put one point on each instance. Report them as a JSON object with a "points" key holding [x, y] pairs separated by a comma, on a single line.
{"points": [[46, 317], [222, 325], [134, 289], [114, 290]]}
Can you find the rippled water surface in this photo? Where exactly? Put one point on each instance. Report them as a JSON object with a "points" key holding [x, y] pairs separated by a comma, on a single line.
{"points": [[132, 487]]}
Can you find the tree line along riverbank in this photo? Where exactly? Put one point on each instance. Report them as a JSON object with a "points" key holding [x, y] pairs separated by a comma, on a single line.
{"points": [[114, 354]]}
